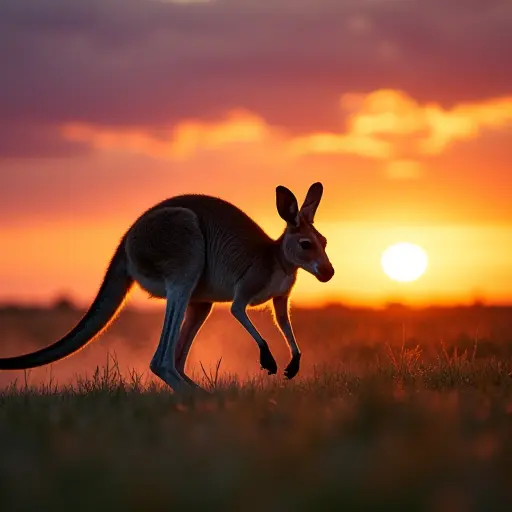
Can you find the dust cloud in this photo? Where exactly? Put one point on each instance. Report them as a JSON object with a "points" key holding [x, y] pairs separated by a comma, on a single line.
{"points": [[333, 335]]}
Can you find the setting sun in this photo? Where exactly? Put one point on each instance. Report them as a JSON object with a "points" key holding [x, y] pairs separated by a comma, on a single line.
{"points": [[404, 262]]}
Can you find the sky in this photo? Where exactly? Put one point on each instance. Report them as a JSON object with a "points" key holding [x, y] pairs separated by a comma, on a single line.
{"points": [[401, 108]]}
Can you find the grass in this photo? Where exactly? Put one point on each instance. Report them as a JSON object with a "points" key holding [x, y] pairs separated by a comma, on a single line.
{"points": [[398, 433]]}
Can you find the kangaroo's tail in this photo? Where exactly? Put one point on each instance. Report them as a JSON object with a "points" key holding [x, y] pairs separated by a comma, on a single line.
{"points": [[116, 285]]}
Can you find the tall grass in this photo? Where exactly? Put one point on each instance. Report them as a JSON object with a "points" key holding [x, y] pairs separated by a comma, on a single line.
{"points": [[398, 430]]}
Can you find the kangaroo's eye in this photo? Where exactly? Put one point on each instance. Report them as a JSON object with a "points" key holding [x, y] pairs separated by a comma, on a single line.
{"points": [[305, 244]]}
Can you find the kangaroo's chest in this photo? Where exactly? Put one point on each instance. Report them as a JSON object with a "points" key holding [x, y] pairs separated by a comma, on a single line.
{"points": [[280, 284]]}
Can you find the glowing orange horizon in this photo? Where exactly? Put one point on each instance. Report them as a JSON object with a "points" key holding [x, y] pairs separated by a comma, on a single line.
{"points": [[398, 171], [455, 252]]}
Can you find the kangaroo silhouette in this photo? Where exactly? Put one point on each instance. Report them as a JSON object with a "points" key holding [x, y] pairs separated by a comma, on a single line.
{"points": [[194, 250]]}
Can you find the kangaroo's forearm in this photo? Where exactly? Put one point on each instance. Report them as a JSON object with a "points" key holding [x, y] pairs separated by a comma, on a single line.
{"points": [[239, 311], [283, 320], [267, 361], [284, 324]]}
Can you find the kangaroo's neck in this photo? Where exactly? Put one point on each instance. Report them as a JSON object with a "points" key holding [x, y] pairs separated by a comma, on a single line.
{"points": [[287, 266]]}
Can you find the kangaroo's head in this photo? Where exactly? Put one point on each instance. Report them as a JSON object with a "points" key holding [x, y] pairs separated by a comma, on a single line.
{"points": [[302, 245]]}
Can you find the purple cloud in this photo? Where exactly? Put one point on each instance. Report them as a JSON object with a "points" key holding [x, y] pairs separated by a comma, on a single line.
{"points": [[142, 62], [31, 140]]}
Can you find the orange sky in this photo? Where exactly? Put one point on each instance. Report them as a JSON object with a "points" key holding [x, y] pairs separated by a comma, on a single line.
{"points": [[402, 159]]}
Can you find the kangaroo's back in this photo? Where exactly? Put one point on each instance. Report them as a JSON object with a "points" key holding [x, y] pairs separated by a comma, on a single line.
{"points": [[233, 243], [215, 213]]}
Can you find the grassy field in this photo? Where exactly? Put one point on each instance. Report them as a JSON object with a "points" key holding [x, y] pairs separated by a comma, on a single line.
{"points": [[395, 436], [401, 427]]}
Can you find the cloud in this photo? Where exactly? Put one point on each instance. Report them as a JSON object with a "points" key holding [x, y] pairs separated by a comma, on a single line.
{"points": [[178, 143], [33, 140], [390, 125], [463, 122], [403, 169], [145, 63], [349, 143], [388, 112], [383, 125]]}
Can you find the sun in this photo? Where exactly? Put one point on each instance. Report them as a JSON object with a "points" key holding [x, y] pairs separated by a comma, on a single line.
{"points": [[404, 262]]}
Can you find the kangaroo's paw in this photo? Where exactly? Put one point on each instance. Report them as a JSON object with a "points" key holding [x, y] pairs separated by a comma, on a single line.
{"points": [[293, 367], [267, 360], [199, 390]]}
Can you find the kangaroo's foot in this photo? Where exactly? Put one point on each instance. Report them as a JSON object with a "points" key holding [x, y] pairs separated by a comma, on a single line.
{"points": [[171, 377], [267, 361], [293, 367], [193, 385]]}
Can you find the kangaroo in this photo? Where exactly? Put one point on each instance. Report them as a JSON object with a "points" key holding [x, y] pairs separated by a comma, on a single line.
{"points": [[194, 250]]}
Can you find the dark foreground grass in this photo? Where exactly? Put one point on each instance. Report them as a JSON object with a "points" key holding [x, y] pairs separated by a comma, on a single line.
{"points": [[396, 435]]}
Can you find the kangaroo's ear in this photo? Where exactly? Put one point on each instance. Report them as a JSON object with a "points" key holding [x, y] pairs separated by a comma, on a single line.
{"points": [[287, 205], [313, 197]]}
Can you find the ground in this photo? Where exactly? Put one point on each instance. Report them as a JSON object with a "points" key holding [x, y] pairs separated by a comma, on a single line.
{"points": [[395, 428]]}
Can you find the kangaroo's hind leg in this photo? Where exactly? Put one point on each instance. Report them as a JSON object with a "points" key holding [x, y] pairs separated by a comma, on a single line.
{"points": [[196, 315], [163, 363], [166, 246]]}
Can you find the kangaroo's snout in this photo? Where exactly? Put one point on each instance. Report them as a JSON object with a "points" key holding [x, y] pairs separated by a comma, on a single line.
{"points": [[324, 273]]}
